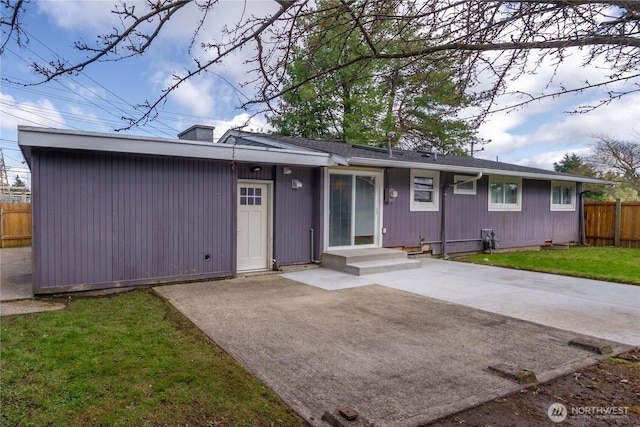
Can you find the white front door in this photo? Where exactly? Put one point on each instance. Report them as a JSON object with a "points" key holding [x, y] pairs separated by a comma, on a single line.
{"points": [[253, 226]]}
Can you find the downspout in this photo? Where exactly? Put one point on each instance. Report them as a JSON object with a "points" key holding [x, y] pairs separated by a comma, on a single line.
{"points": [[475, 178], [443, 224], [582, 222], [314, 261]]}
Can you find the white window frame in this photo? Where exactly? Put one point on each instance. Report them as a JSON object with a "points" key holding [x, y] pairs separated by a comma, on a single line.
{"points": [[466, 191], [434, 205], [564, 206], [515, 207]]}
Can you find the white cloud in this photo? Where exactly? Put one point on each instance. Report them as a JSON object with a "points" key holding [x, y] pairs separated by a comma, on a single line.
{"points": [[95, 15], [179, 33], [548, 137], [242, 121], [539, 133], [195, 95], [84, 92], [211, 94], [44, 113], [39, 113], [88, 121], [246, 122], [547, 159]]}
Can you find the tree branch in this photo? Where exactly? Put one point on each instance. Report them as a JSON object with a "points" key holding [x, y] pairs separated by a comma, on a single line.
{"points": [[468, 33], [150, 107]]}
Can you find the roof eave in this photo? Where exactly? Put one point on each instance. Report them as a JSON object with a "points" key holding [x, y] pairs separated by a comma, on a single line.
{"points": [[364, 161], [34, 137]]}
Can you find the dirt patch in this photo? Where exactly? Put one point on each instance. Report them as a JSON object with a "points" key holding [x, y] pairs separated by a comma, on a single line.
{"points": [[604, 394]]}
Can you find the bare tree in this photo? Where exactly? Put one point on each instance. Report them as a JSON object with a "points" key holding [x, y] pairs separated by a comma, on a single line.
{"points": [[617, 156], [490, 41]]}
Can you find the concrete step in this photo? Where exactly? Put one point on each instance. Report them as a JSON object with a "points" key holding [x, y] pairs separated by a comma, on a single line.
{"points": [[348, 256], [372, 267], [368, 261]]}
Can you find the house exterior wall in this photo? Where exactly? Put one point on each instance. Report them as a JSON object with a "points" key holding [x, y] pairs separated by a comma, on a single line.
{"points": [[295, 211], [106, 220], [406, 228], [466, 215]]}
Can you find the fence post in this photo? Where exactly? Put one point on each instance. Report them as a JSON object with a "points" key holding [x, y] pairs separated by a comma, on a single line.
{"points": [[616, 235]]}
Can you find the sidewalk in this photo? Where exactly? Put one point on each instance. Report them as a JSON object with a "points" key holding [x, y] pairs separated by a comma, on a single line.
{"points": [[16, 296]]}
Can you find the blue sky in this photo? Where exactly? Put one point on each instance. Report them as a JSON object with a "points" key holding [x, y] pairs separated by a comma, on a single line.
{"points": [[96, 99]]}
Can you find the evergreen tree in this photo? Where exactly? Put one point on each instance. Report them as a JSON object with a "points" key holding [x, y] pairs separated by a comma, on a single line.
{"points": [[409, 103], [576, 165], [570, 164], [18, 182]]}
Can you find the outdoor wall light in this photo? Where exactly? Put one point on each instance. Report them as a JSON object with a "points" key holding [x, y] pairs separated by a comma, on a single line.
{"points": [[287, 170], [256, 169], [295, 183]]}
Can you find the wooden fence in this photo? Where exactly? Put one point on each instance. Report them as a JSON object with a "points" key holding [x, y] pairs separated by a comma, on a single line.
{"points": [[15, 224], [612, 223]]}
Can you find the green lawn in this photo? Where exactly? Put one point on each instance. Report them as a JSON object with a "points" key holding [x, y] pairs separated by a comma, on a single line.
{"points": [[126, 360], [603, 263]]}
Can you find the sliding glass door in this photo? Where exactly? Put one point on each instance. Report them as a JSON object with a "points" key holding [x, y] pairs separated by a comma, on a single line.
{"points": [[353, 216]]}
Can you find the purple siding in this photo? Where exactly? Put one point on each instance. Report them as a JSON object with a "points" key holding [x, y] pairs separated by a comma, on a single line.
{"points": [[267, 172], [405, 228], [105, 220], [296, 212], [466, 215]]}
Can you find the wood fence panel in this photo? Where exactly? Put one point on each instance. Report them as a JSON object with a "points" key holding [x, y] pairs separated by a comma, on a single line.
{"points": [[630, 225], [15, 224], [600, 224]]}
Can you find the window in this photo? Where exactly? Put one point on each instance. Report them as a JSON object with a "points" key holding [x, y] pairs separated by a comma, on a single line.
{"points": [[505, 193], [464, 187], [424, 190], [563, 196], [250, 196]]}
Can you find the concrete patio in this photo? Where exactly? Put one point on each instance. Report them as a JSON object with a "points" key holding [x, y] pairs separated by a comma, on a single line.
{"points": [[602, 309], [397, 358]]}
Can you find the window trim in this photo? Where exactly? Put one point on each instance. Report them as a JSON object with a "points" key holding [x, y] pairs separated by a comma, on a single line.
{"points": [[462, 178], [563, 207], [433, 206], [514, 207]]}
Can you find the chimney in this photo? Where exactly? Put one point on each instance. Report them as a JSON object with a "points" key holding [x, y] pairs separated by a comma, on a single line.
{"points": [[200, 133]]}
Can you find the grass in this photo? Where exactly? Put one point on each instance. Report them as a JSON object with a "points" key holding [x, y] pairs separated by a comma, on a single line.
{"points": [[126, 360], [603, 263], [634, 364]]}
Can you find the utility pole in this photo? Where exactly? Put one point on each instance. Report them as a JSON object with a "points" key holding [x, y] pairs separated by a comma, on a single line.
{"points": [[478, 141], [5, 188]]}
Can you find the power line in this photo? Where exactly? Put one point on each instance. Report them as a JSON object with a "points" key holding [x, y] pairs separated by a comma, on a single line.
{"points": [[36, 123], [22, 85], [49, 113], [13, 158], [129, 105], [70, 90]]}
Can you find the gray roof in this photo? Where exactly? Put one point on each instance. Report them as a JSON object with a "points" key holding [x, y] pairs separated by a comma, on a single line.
{"points": [[264, 148], [362, 155]]}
